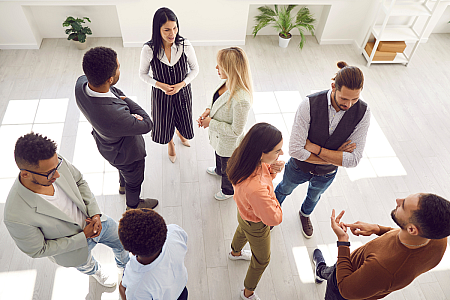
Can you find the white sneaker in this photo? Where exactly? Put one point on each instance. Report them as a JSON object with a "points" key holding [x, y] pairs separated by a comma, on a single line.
{"points": [[212, 171], [245, 255], [104, 279], [252, 297], [221, 196]]}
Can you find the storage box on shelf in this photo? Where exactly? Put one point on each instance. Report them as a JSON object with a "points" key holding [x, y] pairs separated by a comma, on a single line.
{"points": [[380, 55]]}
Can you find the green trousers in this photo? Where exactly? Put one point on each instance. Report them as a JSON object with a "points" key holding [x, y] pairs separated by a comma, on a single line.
{"points": [[258, 236]]}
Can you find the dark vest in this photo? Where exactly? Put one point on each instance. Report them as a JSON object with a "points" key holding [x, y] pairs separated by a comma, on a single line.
{"points": [[319, 129]]}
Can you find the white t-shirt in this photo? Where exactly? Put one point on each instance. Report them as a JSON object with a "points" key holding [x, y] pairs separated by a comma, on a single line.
{"points": [[66, 205], [163, 279]]}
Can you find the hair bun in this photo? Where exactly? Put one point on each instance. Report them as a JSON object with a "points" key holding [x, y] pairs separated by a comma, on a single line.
{"points": [[342, 64]]}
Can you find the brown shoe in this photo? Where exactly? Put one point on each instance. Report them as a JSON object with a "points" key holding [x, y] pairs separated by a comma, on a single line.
{"points": [[307, 228], [146, 203], [121, 190]]}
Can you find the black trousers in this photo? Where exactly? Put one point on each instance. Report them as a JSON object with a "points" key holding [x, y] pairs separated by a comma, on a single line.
{"points": [[329, 273], [221, 169], [184, 294], [131, 177]]}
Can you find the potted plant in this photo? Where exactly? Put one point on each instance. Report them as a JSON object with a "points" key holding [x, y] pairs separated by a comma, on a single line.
{"points": [[77, 32], [281, 20]]}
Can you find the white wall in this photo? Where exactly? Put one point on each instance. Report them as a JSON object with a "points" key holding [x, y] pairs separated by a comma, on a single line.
{"points": [[443, 25], [49, 19], [204, 22]]}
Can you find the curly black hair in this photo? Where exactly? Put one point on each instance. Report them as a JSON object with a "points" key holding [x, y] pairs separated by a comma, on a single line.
{"points": [[432, 216], [33, 147], [99, 64], [142, 231]]}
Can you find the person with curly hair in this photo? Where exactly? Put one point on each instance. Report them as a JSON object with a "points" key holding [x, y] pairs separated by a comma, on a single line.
{"points": [[118, 122], [51, 212], [156, 269], [169, 64]]}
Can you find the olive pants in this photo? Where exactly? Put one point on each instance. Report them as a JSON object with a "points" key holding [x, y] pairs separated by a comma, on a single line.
{"points": [[258, 236]]}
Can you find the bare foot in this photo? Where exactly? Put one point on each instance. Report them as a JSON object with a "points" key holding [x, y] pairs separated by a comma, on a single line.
{"points": [[182, 138]]}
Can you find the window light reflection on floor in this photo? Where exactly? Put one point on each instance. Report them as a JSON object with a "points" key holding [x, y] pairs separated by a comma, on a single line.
{"points": [[17, 284]]}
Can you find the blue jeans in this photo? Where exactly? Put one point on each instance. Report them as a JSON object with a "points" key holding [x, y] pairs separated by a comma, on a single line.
{"points": [[329, 274], [110, 237], [293, 176]]}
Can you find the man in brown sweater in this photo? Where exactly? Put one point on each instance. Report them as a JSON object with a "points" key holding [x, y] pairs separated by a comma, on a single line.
{"points": [[391, 261]]}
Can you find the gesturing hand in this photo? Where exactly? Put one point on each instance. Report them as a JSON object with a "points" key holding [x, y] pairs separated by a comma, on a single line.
{"points": [[347, 146], [361, 228], [338, 227]]}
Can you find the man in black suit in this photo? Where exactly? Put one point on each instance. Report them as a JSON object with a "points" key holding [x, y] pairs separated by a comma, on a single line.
{"points": [[117, 122]]}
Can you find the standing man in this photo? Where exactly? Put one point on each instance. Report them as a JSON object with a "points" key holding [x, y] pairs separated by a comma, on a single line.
{"points": [[51, 212], [329, 131], [391, 261], [117, 122]]}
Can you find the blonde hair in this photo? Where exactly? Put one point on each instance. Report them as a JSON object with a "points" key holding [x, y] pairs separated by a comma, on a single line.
{"points": [[234, 63]]}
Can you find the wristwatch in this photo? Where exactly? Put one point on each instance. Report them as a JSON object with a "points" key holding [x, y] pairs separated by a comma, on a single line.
{"points": [[343, 244]]}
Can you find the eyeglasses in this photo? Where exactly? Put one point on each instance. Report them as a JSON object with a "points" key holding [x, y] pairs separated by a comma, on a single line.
{"points": [[50, 174]]}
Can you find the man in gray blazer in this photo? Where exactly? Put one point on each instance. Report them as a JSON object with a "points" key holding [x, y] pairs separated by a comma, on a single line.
{"points": [[51, 212], [118, 122]]}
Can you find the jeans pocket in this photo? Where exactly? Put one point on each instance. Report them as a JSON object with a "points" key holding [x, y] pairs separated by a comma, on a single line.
{"points": [[330, 175]]}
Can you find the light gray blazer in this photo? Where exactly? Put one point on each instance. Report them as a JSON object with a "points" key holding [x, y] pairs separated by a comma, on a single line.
{"points": [[226, 129], [42, 230]]}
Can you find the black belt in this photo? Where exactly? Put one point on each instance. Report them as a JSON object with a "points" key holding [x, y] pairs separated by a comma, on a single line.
{"points": [[312, 168]]}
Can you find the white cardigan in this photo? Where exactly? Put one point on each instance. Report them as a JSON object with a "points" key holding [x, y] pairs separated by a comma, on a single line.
{"points": [[226, 129]]}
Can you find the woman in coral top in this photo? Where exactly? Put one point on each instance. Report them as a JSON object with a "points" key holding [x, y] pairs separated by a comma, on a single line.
{"points": [[251, 169]]}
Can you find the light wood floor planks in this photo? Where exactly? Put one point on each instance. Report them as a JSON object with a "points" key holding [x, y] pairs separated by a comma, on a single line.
{"points": [[408, 151]]}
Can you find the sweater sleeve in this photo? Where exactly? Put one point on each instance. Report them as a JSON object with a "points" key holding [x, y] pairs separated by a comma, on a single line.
{"points": [[366, 281], [192, 62], [145, 72], [266, 206]]}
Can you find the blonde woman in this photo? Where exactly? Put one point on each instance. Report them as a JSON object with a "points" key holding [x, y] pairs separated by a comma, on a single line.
{"points": [[226, 114]]}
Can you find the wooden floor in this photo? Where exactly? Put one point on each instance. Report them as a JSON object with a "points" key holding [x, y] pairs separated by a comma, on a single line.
{"points": [[408, 151]]}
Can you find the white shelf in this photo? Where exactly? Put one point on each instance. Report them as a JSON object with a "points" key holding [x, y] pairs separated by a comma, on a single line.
{"points": [[400, 58], [410, 9], [395, 33]]}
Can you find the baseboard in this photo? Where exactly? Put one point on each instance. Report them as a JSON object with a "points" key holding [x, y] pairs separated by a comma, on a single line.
{"points": [[336, 41], [196, 43], [11, 46]]}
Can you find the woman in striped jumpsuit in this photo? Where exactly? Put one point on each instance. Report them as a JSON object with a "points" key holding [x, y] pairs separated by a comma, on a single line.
{"points": [[168, 63]]}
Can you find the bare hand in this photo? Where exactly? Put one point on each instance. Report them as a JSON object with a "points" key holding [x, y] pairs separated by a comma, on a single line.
{"points": [[165, 87], [361, 228], [205, 122], [347, 146], [338, 227], [202, 116], [97, 226], [277, 166], [89, 230], [138, 117], [176, 88], [123, 97]]}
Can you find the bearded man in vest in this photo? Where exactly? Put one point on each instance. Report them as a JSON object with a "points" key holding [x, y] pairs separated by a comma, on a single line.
{"points": [[329, 131]]}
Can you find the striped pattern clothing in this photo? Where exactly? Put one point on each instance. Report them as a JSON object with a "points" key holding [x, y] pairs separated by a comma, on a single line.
{"points": [[171, 111]]}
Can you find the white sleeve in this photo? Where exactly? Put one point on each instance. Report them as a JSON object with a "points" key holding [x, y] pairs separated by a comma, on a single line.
{"points": [[145, 71], [358, 136], [299, 132], [192, 61]]}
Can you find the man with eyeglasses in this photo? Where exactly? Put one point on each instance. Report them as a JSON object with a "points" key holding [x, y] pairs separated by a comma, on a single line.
{"points": [[51, 212]]}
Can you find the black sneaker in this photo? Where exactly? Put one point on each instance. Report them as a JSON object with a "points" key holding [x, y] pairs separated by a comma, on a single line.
{"points": [[318, 260]]}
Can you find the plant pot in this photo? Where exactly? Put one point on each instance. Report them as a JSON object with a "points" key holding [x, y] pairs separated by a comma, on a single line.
{"points": [[282, 41], [80, 46]]}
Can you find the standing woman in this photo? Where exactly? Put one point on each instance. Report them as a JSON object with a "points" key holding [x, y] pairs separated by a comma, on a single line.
{"points": [[251, 169], [226, 114], [168, 64]]}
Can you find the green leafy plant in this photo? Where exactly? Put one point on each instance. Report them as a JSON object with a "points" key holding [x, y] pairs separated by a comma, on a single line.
{"points": [[281, 20], [77, 32]]}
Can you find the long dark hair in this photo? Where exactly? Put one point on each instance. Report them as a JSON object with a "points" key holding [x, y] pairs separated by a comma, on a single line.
{"points": [[261, 138], [160, 18]]}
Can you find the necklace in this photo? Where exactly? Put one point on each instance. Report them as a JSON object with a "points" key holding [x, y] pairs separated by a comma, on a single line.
{"points": [[414, 245]]}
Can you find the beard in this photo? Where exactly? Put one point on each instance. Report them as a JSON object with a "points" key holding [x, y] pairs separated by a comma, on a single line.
{"points": [[397, 221], [38, 183]]}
